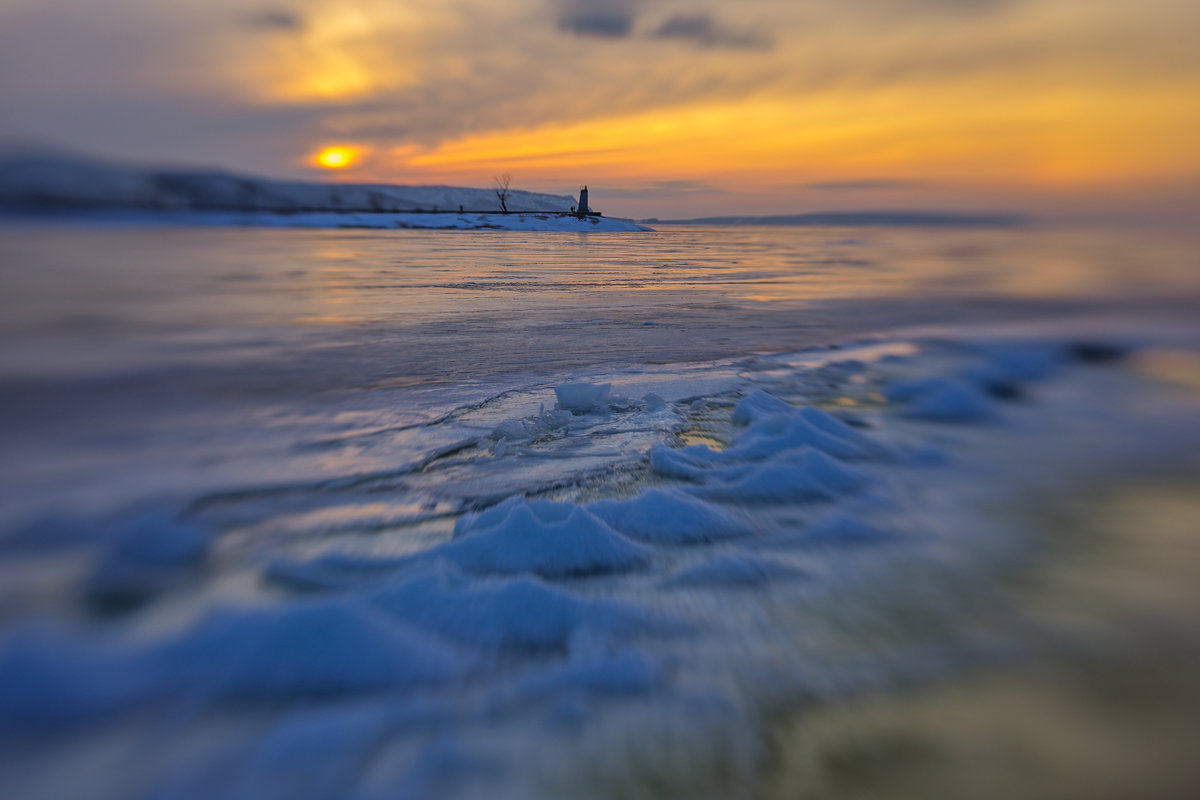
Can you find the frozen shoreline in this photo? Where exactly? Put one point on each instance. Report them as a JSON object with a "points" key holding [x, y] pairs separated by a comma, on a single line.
{"points": [[680, 550], [370, 220]]}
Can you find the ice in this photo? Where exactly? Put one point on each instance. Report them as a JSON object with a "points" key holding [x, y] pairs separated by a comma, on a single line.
{"points": [[150, 555], [331, 571], [809, 427], [1023, 361], [56, 679], [314, 753], [540, 537], [757, 405], [625, 673], [521, 613], [670, 517], [734, 570], [836, 530], [305, 649], [941, 400], [1004, 368], [803, 476], [51, 680], [581, 398], [668, 462]]}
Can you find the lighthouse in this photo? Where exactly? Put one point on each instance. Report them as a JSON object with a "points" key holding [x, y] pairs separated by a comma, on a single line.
{"points": [[583, 209]]}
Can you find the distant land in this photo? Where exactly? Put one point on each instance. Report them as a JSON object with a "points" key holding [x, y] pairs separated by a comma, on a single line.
{"points": [[61, 182], [52, 184], [860, 219]]}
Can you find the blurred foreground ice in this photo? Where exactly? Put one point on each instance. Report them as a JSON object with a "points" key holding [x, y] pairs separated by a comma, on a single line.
{"points": [[609, 586]]}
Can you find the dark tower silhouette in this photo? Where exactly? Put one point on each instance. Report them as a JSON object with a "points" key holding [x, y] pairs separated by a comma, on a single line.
{"points": [[583, 202]]}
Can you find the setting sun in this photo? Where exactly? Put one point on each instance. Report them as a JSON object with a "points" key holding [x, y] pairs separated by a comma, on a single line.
{"points": [[336, 157]]}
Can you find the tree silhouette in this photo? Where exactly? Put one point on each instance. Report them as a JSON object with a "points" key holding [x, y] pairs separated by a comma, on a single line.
{"points": [[501, 188]]}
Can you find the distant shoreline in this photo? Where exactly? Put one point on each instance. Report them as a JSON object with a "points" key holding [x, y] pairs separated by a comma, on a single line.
{"points": [[862, 219], [344, 220]]}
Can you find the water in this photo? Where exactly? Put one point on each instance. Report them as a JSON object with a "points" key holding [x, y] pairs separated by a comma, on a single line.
{"points": [[258, 423]]}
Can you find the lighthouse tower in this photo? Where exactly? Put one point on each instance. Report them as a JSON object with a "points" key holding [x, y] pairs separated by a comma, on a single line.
{"points": [[583, 209]]}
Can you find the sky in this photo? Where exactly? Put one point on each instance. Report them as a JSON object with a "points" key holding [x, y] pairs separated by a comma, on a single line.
{"points": [[666, 108]]}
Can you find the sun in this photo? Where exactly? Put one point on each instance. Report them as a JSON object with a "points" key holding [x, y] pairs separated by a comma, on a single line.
{"points": [[336, 157]]}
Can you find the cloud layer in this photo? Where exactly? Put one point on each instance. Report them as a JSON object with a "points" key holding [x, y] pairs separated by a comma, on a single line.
{"points": [[826, 98]]}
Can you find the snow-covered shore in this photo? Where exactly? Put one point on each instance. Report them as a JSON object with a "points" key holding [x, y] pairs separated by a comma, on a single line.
{"points": [[79, 190], [372, 220]]}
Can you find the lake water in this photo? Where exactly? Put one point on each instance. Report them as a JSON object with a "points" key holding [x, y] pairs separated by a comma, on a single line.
{"points": [[256, 510]]}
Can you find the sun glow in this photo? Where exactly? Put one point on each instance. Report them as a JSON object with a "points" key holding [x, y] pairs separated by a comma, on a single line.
{"points": [[336, 157]]}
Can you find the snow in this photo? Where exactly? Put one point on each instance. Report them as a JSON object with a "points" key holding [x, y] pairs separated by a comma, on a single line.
{"points": [[42, 183]]}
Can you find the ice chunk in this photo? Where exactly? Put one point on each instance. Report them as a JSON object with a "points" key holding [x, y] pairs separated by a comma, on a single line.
{"points": [[521, 613], [941, 400], [149, 556], [653, 402], [304, 649], [671, 463], [540, 537], [734, 570], [809, 427], [805, 476], [580, 398], [1005, 367], [1024, 361], [757, 405], [50, 681], [545, 424], [490, 518], [669, 517]]}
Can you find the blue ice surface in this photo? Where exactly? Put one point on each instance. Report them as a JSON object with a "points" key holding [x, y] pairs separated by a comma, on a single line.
{"points": [[808, 427], [758, 405], [544, 538], [941, 400], [737, 570], [58, 680], [509, 614], [838, 530], [151, 552], [667, 516], [803, 475]]}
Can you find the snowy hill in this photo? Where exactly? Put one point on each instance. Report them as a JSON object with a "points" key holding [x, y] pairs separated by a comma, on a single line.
{"points": [[56, 182]]}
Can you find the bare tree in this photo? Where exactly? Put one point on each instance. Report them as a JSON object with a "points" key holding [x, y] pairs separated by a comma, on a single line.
{"points": [[501, 189]]}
